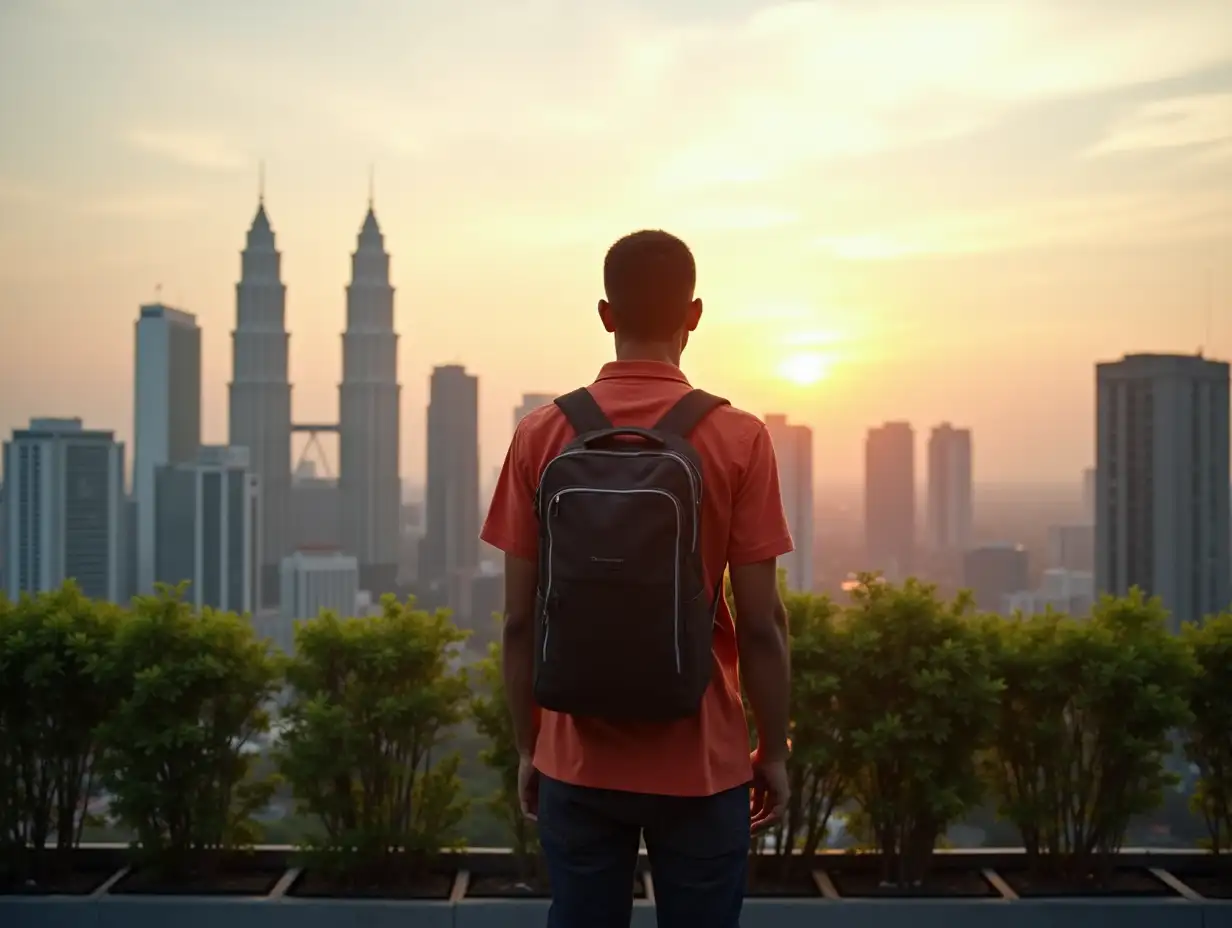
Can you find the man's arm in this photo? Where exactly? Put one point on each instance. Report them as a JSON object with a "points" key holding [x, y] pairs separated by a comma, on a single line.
{"points": [[765, 661], [759, 535], [513, 527], [518, 648]]}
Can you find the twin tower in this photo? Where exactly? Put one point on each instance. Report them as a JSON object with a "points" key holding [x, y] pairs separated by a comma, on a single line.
{"points": [[368, 426]]}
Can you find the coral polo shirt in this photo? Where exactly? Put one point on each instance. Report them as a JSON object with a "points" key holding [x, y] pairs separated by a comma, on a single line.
{"points": [[742, 523]]}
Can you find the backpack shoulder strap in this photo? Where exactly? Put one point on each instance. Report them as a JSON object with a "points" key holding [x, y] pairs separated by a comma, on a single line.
{"points": [[583, 412], [688, 412]]}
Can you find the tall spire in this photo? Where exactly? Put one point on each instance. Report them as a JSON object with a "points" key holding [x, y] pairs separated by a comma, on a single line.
{"points": [[261, 182], [368, 413], [371, 186]]}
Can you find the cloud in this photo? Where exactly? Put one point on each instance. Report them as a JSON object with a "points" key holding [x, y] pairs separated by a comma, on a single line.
{"points": [[1177, 123], [1063, 222], [188, 148], [807, 81]]}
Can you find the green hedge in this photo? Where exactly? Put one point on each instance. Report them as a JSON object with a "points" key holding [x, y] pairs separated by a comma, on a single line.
{"points": [[909, 713]]}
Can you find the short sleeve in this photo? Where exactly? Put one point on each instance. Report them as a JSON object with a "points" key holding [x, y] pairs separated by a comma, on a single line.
{"points": [[758, 525], [511, 524]]}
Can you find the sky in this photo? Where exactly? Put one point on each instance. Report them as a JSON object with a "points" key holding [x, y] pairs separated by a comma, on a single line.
{"points": [[931, 210]]}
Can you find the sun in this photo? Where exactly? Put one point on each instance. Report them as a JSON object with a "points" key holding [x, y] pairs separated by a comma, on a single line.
{"points": [[804, 369]]}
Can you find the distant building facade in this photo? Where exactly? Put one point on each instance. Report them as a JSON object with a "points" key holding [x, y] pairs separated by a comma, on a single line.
{"points": [[1162, 482], [313, 582], [208, 529], [64, 510], [451, 542], [369, 418], [1069, 592], [1071, 547], [949, 489], [530, 402], [260, 389], [793, 448], [993, 572], [166, 415], [889, 500]]}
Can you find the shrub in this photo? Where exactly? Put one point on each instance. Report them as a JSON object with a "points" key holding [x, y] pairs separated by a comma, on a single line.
{"points": [[1209, 741], [917, 702], [54, 649], [371, 699], [195, 686], [1083, 730], [494, 722], [819, 654]]}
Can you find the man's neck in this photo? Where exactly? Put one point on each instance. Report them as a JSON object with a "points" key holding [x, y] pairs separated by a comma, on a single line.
{"points": [[663, 352]]}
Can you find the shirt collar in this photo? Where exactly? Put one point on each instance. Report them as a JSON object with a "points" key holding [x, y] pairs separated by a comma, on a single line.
{"points": [[641, 370]]}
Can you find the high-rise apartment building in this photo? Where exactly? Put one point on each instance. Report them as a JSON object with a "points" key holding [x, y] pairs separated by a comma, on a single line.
{"points": [[530, 402], [208, 529], [166, 414], [64, 510], [1162, 481], [889, 500], [793, 448], [260, 391], [369, 485], [949, 489], [451, 544]]}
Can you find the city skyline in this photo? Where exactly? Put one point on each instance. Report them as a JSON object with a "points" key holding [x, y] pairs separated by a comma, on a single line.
{"points": [[975, 205]]}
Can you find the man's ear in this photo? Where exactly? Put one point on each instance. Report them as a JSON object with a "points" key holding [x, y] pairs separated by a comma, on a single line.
{"points": [[605, 314], [693, 316]]}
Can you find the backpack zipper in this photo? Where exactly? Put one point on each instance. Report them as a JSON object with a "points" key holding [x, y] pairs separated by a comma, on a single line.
{"points": [[694, 480], [554, 503]]}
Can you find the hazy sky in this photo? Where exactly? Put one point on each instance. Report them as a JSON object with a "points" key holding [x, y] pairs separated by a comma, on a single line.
{"points": [[950, 210]]}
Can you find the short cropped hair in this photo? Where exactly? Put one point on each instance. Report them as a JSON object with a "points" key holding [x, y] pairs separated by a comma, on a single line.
{"points": [[649, 277]]}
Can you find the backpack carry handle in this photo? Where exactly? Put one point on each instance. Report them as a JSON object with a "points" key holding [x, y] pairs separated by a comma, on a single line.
{"points": [[605, 436]]}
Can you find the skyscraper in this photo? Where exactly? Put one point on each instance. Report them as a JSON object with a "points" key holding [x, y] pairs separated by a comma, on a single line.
{"points": [[451, 544], [208, 529], [1162, 481], [370, 489], [166, 414], [889, 500], [530, 402], [64, 488], [793, 447], [260, 392], [949, 488]]}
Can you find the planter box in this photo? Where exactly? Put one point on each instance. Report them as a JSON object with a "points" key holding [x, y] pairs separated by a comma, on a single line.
{"points": [[1173, 904]]}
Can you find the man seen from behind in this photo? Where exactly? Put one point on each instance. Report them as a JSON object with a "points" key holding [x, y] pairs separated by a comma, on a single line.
{"points": [[619, 508]]}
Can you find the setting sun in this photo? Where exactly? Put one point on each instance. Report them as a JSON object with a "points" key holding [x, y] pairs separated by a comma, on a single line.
{"points": [[804, 369]]}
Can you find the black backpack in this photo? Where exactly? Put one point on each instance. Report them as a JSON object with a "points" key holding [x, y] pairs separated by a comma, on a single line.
{"points": [[623, 618]]}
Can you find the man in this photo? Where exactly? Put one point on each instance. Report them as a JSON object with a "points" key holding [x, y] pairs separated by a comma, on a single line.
{"points": [[597, 784]]}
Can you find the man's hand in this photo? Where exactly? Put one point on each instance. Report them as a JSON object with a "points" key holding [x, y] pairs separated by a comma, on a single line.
{"points": [[528, 787], [770, 793]]}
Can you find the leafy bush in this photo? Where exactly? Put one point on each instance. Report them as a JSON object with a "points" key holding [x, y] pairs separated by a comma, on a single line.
{"points": [[54, 649], [371, 699], [917, 701], [819, 654], [1083, 731], [194, 690], [1209, 742], [494, 722]]}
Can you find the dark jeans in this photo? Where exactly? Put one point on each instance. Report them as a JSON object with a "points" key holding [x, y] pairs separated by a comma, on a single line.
{"points": [[698, 849]]}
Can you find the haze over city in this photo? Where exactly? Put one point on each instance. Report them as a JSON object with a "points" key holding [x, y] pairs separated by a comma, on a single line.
{"points": [[930, 212]]}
